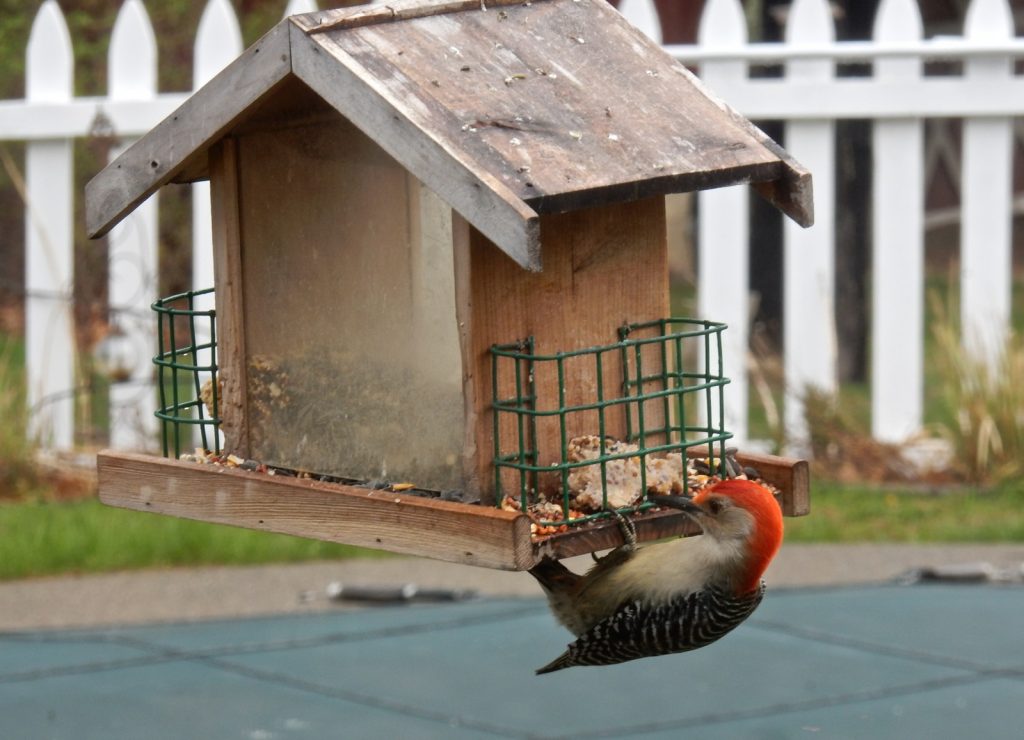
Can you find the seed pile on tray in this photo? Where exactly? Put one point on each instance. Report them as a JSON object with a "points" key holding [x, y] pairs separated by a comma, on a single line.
{"points": [[226, 460], [205, 457], [622, 481]]}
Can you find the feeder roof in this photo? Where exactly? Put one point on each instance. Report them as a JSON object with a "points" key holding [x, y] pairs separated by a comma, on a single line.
{"points": [[521, 109]]}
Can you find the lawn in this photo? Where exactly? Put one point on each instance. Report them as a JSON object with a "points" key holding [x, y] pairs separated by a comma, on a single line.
{"points": [[849, 513], [39, 538]]}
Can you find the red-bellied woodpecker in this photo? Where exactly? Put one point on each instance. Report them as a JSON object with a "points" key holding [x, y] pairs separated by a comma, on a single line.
{"points": [[638, 602]]}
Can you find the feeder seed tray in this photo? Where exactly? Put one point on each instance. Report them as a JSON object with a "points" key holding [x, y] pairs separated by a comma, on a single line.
{"points": [[652, 404], [406, 524]]}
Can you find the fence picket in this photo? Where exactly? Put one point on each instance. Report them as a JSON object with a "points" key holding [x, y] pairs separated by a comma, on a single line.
{"points": [[218, 42], [723, 231], [643, 15], [49, 325], [131, 60], [897, 316], [986, 195], [809, 331], [132, 67], [295, 7]]}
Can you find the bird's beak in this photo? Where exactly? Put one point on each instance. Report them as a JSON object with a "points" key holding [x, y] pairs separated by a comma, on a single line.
{"points": [[683, 503]]}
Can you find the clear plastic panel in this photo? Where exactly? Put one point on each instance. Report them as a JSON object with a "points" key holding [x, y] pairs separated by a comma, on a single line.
{"points": [[353, 358]]}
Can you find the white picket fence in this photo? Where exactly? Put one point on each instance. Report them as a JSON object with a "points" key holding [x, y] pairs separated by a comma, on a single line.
{"points": [[808, 97]]}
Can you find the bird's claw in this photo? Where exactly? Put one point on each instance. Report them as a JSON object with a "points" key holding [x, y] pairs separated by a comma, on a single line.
{"points": [[626, 526], [628, 529]]}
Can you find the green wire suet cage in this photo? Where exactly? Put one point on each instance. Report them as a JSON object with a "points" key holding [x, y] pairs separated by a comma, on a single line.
{"points": [[187, 373], [667, 396]]}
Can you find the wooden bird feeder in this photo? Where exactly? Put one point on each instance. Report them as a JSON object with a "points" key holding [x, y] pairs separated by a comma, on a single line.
{"points": [[440, 257]]}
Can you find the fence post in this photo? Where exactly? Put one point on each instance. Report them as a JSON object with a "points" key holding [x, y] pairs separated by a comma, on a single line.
{"points": [[131, 75], [49, 244], [897, 383], [986, 193], [723, 225], [809, 333]]}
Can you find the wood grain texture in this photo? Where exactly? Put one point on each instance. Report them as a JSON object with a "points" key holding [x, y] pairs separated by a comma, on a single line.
{"points": [[388, 114], [227, 270], [651, 526], [475, 535], [792, 477], [563, 101], [604, 267], [411, 525], [534, 107], [397, 10], [791, 190], [180, 142], [475, 474]]}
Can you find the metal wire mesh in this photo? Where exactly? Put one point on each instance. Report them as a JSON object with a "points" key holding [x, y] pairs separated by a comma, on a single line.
{"points": [[187, 373], [668, 396]]}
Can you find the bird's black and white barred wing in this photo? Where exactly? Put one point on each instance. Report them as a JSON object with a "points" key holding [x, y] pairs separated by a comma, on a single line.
{"points": [[638, 631]]}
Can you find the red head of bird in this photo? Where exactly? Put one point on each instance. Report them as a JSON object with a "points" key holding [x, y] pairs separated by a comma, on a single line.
{"points": [[743, 518]]}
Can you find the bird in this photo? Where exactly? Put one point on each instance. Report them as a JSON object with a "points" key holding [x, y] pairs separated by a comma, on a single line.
{"points": [[669, 597]]}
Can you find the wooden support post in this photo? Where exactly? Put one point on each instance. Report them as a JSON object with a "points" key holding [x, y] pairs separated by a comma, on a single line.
{"points": [[227, 264]]}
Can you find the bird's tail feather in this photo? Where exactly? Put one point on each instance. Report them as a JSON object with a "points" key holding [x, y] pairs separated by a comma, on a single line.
{"points": [[564, 660]]}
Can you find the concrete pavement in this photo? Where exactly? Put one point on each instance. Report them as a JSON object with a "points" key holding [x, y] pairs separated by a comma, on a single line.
{"points": [[837, 650], [858, 661], [177, 595]]}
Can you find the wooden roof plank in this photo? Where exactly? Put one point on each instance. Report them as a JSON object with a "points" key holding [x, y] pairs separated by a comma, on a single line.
{"points": [[175, 144], [525, 96], [792, 190], [402, 128], [344, 18], [540, 107]]}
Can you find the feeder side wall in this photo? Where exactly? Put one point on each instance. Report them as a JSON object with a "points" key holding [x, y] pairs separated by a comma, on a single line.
{"points": [[604, 267]]}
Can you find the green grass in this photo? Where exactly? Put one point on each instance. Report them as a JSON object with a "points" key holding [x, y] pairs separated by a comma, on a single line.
{"points": [[849, 513], [17, 472], [39, 538]]}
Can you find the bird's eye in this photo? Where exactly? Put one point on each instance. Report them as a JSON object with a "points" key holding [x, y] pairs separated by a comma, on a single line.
{"points": [[716, 505]]}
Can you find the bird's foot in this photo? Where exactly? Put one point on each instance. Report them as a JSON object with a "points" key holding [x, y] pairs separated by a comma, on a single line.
{"points": [[627, 527]]}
